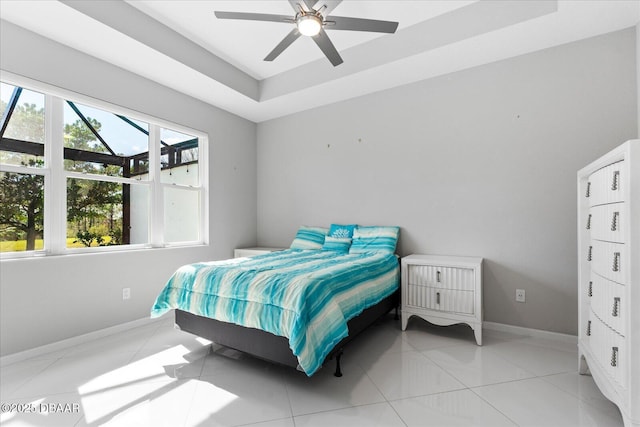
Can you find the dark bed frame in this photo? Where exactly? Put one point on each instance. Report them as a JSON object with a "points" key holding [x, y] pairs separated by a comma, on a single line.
{"points": [[273, 348]]}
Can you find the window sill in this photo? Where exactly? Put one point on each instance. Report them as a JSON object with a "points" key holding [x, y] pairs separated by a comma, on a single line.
{"points": [[11, 256]]}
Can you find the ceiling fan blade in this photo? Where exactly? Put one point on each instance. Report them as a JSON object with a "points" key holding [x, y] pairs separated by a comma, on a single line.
{"points": [[359, 24], [329, 50], [254, 16], [316, 5], [297, 4], [310, 4], [328, 4], [285, 43]]}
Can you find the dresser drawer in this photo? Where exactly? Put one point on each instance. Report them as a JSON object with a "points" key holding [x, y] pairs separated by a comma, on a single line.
{"points": [[446, 300], [608, 260], [608, 302], [607, 222], [442, 277], [606, 185], [609, 348]]}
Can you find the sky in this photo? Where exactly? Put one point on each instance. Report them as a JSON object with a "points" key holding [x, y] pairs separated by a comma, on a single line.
{"points": [[123, 138]]}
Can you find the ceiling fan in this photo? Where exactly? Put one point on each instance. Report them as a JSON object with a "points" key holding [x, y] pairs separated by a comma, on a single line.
{"points": [[311, 19]]}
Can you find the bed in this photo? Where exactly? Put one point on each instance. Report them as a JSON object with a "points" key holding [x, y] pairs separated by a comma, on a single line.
{"points": [[297, 307]]}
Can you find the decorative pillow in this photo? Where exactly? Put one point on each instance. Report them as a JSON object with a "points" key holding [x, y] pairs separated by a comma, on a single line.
{"points": [[338, 230], [309, 238], [377, 238], [337, 244]]}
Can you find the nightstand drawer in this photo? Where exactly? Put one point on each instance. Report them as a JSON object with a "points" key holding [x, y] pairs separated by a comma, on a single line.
{"points": [[442, 277], [447, 300]]}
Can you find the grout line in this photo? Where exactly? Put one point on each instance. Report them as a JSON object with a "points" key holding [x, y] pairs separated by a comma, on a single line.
{"points": [[286, 390], [360, 405], [399, 416], [265, 421], [30, 377], [155, 331], [490, 404]]}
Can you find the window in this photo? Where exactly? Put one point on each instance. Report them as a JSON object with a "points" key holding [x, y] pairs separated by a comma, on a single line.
{"points": [[180, 201], [76, 175]]}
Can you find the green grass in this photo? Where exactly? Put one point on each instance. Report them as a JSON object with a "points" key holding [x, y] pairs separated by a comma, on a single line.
{"points": [[21, 245], [18, 245]]}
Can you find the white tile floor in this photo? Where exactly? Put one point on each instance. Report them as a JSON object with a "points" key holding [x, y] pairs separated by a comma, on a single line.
{"points": [[156, 375]]}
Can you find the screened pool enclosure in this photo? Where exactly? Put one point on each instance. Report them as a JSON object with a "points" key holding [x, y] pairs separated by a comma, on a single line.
{"points": [[103, 186]]}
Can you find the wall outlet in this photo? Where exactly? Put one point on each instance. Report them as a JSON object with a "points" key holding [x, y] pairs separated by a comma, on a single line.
{"points": [[520, 295], [126, 293]]}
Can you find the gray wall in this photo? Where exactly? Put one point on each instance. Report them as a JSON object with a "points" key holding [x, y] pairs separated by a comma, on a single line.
{"points": [[481, 162], [48, 299]]}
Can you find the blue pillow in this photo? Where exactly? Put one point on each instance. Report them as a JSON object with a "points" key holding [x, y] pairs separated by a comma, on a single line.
{"points": [[337, 244], [377, 239], [309, 238], [339, 230]]}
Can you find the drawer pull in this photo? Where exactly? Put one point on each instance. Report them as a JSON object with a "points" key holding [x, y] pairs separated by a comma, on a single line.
{"points": [[589, 328], [588, 189], [614, 356], [590, 253], [616, 307], [614, 221], [438, 276], [616, 178], [589, 222], [438, 298], [616, 261], [590, 289]]}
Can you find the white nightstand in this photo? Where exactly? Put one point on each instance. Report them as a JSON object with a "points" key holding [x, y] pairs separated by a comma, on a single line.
{"points": [[244, 252], [444, 290]]}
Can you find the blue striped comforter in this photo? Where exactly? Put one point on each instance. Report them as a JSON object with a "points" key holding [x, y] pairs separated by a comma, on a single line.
{"points": [[305, 295]]}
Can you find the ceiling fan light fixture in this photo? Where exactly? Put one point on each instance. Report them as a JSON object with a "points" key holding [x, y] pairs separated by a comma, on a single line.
{"points": [[309, 24]]}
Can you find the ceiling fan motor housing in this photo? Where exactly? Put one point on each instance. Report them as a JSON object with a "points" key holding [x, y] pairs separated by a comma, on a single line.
{"points": [[309, 24]]}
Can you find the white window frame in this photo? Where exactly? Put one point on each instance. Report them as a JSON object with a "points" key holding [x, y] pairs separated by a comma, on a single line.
{"points": [[55, 175]]}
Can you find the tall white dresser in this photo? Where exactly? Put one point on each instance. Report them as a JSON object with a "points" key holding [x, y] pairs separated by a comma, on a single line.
{"points": [[609, 276]]}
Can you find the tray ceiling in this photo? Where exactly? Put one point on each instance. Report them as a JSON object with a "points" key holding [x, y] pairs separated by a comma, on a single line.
{"points": [[181, 44]]}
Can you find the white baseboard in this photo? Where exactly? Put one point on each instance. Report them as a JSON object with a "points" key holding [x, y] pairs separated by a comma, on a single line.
{"points": [[539, 333], [73, 341]]}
